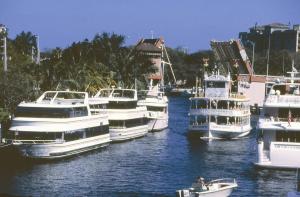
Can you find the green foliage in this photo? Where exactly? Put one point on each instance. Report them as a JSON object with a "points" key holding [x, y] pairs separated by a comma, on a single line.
{"points": [[4, 115], [83, 66], [280, 62], [188, 66]]}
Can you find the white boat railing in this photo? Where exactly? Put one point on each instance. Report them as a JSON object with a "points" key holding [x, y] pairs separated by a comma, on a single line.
{"points": [[289, 99], [227, 112], [277, 119], [223, 180], [285, 145]]}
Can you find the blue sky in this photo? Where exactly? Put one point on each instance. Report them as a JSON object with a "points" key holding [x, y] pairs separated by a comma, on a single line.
{"points": [[190, 23]]}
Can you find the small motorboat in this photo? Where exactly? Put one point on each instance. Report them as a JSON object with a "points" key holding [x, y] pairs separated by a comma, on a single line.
{"points": [[218, 187]]}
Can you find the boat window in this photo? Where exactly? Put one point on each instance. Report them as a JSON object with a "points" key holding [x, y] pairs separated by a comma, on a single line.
{"points": [[223, 104], [135, 122], [49, 96], [38, 135], [98, 109], [116, 123], [69, 95], [193, 104], [105, 93], [122, 104], [201, 104], [127, 123], [73, 135], [159, 109], [283, 114], [123, 93], [95, 131], [215, 84], [290, 136], [43, 112]]}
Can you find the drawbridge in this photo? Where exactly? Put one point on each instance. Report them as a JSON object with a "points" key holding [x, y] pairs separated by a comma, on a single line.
{"points": [[232, 55]]}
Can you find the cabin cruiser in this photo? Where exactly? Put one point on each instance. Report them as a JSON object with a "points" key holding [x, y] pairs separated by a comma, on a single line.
{"points": [[157, 109], [60, 124], [127, 120], [219, 112], [214, 188], [278, 143]]}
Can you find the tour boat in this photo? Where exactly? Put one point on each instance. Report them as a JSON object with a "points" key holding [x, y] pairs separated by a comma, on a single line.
{"points": [[278, 143], [127, 120], [214, 188], [60, 124], [219, 112], [157, 109]]}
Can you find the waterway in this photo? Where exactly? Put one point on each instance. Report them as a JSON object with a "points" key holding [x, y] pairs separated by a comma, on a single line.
{"points": [[156, 165]]}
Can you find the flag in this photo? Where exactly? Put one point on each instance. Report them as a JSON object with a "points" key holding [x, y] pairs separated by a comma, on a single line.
{"points": [[289, 117]]}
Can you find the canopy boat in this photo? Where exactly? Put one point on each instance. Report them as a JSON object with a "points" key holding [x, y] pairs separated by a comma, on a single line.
{"points": [[218, 187]]}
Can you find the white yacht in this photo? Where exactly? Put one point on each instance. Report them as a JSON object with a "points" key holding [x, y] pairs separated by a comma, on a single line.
{"points": [[127, 120], [279, 125], [218, 112], [60, 124], [157, 107]]}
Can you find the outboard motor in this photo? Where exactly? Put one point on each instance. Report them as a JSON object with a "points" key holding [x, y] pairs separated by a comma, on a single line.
{"points": [[183, 193]]}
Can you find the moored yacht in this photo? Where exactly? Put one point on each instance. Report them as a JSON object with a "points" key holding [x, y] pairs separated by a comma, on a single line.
{"points": [[279, 125], [127, 120], [60, 124], [218, 112], [157, 109]]}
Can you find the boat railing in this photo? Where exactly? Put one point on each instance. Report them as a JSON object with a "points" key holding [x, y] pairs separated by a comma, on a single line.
{"points": [[283, 99], [235, 111], [285, 145], [280, 119], [223, 180], [36, 141]]}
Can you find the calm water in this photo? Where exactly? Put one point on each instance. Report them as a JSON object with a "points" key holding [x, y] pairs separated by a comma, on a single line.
{"points": [[155, 165]]}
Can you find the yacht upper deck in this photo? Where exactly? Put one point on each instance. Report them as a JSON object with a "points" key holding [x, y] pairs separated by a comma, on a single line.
{"points": [[117, 94], [284, 95]]}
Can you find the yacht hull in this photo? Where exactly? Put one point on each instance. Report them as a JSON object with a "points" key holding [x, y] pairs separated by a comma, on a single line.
{"points": [[214, 133], [123, 134], [61, 149]]}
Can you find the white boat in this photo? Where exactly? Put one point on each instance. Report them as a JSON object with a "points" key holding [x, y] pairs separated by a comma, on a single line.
{"points": [[214, 188], [278, 143], [60, 124], [157, 109], [218, 112], [127, 120]]}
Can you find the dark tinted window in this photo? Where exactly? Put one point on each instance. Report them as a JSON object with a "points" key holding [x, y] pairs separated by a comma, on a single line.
{"points": [[37, 135], [215, 84], [122, 104], [151, 108], [40, 112]]}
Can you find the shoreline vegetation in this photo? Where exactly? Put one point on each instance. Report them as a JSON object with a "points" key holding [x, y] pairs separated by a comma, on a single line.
{"points": [[103, 61]]}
